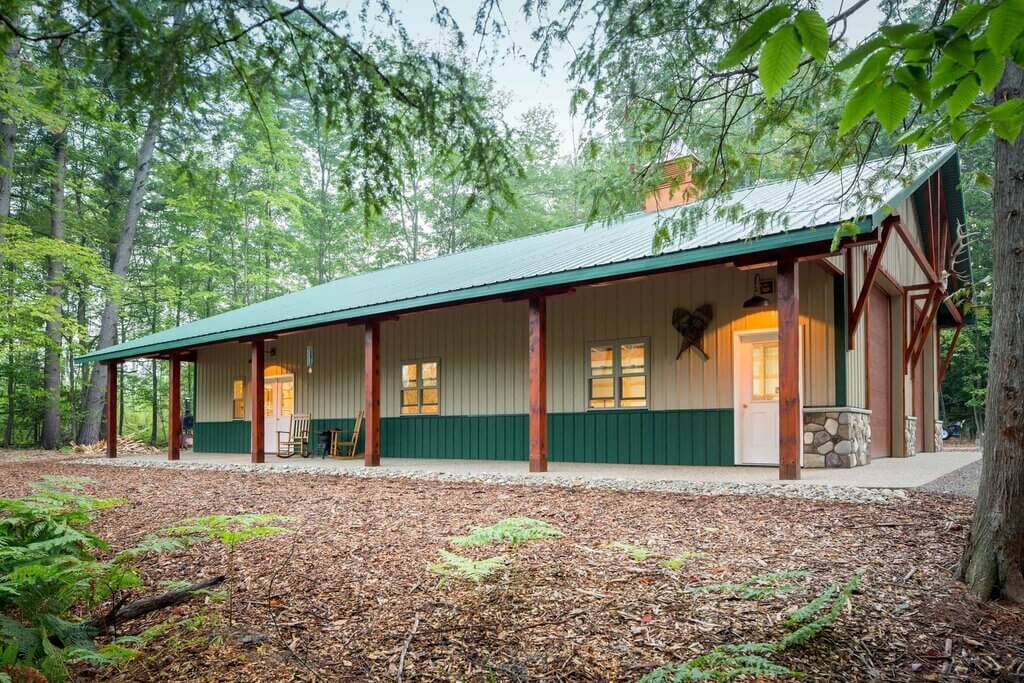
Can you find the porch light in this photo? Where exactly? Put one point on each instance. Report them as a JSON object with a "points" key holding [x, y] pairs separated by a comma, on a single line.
{"points": [[757, 301], [309, 359]]}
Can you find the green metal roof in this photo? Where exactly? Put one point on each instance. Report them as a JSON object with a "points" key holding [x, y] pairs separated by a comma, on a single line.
{"points": [[806, 210]]}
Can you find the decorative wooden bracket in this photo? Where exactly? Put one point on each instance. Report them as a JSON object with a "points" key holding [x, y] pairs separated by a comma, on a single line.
{"points": [[889, 225]]}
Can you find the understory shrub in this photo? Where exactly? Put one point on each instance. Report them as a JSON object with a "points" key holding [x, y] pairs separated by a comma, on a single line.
{"points": [[53, 580], [512, 531]]}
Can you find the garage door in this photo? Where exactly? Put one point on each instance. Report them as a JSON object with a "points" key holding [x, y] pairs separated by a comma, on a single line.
{"points": [[879, 359]]}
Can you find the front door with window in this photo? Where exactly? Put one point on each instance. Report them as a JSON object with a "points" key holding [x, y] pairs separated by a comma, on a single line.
{"points": [[278, 404], [757, 398]]}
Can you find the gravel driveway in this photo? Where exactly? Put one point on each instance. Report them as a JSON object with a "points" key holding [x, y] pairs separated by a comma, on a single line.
{"points": [[961, 482]]}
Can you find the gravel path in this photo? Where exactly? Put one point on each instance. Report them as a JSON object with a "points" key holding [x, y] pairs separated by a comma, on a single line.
{"points": [[822, 492], [961, 482]]}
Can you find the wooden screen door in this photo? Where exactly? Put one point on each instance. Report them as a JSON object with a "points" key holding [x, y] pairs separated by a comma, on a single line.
{"points": [[278, 404], [757, 398]]}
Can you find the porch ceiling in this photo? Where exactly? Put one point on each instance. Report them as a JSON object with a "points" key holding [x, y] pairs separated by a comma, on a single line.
{"points": [[804, 211]]}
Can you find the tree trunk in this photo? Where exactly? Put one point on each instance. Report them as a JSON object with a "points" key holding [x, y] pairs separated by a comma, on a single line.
{"points": [[90, 431], [8, 130], [55, 268], [993, 561]]}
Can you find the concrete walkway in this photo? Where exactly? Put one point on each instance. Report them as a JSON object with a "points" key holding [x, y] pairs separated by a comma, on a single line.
{"points": [[897, 473]]}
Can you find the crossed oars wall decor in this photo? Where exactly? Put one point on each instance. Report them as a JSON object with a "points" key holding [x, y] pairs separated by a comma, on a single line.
{"points": [[691, 327]]}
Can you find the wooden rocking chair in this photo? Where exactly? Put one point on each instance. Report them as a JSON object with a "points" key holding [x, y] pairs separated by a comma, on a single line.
{"points": [[296, 439], [347, 446]]}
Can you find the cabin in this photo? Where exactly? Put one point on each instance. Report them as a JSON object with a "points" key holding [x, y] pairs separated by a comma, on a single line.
{"points": [[586, 344]]}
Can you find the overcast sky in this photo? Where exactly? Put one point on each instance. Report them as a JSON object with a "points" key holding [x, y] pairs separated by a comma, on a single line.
{"points": [[513, 73]]}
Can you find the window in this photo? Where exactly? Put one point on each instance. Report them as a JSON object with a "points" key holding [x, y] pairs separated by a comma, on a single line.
{"points": [[421, 391], [618, 374], [238, 399], [765, 374]]}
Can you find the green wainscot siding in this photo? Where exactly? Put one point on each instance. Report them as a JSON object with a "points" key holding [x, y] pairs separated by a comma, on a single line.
{"points": [[628, 437], [320, 425], [221, 437], [670, 437]]}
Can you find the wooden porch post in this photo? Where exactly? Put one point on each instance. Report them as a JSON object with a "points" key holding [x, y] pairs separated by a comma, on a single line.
{"points": [[257, 365], [790, 420], [112, 409], [371, 392], [174, 408], [538, 386]]}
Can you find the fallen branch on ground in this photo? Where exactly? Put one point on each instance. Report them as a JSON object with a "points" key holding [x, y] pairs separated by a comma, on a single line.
{"points": [[122, 612]]}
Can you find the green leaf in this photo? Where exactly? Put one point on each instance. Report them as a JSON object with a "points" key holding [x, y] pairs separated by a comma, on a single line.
{"points": [[1007, 119], [963, 97], [873, 67], [892, 106], [916, 80], [960, 50], [968, 17], [752, 38], [947, 70], [779, 59], [982, 178], [813, 33], [1005, 24], [859, 53], [897, 32], [989, 68], [958, 129], [860, 104]]}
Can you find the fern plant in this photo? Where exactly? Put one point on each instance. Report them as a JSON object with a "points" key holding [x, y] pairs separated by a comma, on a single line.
{"points": [[467, 569], [48, 569], [677, 562], [730, 661], [513, 531], [229, 531], [636, 553]]}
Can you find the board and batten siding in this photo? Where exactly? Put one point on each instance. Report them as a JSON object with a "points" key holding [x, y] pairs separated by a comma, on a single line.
{"points": [[483, 349]]}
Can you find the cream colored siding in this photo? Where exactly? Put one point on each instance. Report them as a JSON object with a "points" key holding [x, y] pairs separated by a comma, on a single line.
{"points": [[482, 349], [333, 389]]}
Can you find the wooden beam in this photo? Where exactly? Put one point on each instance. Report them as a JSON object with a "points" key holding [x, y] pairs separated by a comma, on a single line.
{"points": [[848, 270], [869, 277], [915, 324], [112, 409], [931, 311], [949, 354], [174, 408], [790, 420], [915, 250], [257, 365], [371, 392], [538, 385]]}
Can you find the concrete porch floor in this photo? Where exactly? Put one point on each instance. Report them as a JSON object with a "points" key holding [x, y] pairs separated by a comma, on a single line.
{"points": [[899, 473]]}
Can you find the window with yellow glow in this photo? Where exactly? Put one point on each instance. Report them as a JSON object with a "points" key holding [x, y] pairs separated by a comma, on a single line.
{"points": [[421, 388], [238, 399], [287, 398], [765, 371], [618, 374]]}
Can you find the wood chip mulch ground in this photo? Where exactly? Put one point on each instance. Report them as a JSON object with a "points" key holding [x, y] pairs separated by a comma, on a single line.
{"points": [[349, 595]]}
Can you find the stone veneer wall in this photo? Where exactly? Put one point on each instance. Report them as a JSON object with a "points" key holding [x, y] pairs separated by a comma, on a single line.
{"points": [[837, 437], [910, 436], [938, 436]]}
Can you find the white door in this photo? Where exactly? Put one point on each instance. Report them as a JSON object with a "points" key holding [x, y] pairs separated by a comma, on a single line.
{"points": [[757, 398], [278, 402]]}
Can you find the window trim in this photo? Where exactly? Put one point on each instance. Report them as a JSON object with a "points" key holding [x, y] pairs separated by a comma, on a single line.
{"points": [[418, 362], [236, 418], [617, 374]]}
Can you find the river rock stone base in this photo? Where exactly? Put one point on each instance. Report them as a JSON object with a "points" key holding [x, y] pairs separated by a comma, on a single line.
{"points": [[837, 437], [910, 436], [937, 448]]}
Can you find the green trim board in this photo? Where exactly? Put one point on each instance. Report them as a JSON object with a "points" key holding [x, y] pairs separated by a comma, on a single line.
{"points": [[628, 437]]}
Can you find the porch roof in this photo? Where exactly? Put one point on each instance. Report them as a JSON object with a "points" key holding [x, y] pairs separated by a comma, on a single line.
{"points": [[804, 211]]}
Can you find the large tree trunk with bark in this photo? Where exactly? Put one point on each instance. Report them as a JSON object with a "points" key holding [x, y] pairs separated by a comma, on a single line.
{"points": [[55, 268], [8, 130], [90, 430], [993, 561]]}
